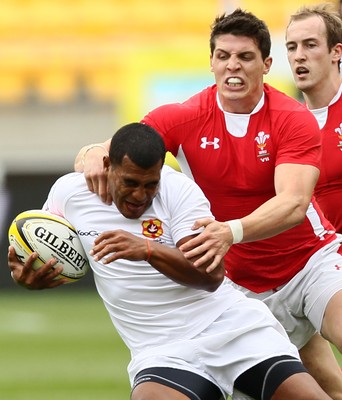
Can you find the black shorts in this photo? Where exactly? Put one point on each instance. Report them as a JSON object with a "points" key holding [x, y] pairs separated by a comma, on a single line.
{"points": [[259, 382], [192, 385]]}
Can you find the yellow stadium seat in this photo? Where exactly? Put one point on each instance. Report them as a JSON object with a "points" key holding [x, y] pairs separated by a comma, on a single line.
{"points": [[56, 85], [12, 87]]}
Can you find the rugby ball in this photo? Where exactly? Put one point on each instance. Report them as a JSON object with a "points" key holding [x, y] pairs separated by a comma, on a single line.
{"points": [[50, 236]]}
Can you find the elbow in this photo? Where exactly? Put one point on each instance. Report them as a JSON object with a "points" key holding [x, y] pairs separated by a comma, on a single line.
{"points": [[298, 217], [299, 210], [208, 286], [213, 287], [213, 280]]}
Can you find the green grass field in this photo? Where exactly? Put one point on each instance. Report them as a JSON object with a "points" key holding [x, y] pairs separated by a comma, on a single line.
{"points": [[60, 344]]}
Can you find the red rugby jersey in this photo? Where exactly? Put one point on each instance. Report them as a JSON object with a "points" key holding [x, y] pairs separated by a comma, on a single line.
{"points": [[237, 175]]}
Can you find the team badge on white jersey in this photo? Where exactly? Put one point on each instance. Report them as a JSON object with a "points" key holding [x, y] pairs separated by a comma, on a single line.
{"points": [[152, 228]]}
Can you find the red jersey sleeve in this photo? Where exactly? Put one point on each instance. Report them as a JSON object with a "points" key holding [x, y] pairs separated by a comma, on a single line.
{"points": [[299, 133]]}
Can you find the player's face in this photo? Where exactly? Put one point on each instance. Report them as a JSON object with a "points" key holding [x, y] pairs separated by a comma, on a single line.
{"points": [[310, 60], [238, 68], [133, 188]]}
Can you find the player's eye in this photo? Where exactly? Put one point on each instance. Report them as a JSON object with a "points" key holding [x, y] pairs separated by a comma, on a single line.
{"points": [[290, 48]]}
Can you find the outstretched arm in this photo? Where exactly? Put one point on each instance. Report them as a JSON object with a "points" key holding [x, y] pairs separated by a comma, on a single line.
{"points": [[294, 184], [89, 160]]}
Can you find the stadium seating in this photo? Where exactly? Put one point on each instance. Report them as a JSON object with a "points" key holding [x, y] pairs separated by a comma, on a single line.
{"points": [[52, 46]]}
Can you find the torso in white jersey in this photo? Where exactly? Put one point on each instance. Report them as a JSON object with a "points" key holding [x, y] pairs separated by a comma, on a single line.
{"points": [[146, 307]]}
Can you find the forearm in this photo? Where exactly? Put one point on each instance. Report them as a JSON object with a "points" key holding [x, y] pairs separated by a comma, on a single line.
{"points": [[172, 263], [294, 185], [275, 216], [113, 245], [97, 150]]}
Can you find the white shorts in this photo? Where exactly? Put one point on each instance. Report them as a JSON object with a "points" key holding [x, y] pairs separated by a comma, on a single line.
{"points": [[300, 304], [243, 336]]}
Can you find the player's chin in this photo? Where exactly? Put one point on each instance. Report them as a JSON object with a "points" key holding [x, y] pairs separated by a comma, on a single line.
{"points": [[133, 211]]}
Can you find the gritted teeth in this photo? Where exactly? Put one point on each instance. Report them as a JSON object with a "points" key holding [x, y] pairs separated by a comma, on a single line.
{"points": [[234, 81]]}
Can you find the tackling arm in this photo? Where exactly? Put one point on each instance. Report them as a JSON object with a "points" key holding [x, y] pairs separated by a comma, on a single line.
{"points": [[93, 168], [294, 185]]}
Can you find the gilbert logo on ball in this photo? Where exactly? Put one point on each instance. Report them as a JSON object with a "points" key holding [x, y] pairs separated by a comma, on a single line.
{"points": [[50, 236]]}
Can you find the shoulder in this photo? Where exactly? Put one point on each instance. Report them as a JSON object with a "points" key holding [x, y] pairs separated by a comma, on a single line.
{"points": [[180, 113], [284, 109], [172, 177], [181, 198], [177, 186], [64, 189], [280, 101], [69, 184], [72, 179]]}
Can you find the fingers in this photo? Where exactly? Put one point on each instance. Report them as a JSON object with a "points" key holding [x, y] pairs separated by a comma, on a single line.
{"points": [[104, 238], [210, 246], [207, 255], [107, 251], [90, 184], [25, 274], [192, 247], [203, 222], [97, 183], [12, 257], [204, 254], [104, 245], [103, 190], [112, 245], [40, 278], [214, 264]]}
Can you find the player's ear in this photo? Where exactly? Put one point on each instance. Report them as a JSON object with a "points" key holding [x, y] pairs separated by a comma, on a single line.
{"points": [[267, 65], [337, 52], [106, 163], [211, 63]]}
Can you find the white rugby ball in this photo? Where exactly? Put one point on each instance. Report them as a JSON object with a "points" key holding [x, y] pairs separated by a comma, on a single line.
{"points": [[50, 236]]}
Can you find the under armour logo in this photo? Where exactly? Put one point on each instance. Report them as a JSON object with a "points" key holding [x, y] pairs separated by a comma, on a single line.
{"points": [[338, 267], [206, 143]]}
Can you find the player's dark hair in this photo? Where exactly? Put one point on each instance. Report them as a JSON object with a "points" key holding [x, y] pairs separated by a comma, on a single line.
{"points": [[140, 142], [242, 23]]}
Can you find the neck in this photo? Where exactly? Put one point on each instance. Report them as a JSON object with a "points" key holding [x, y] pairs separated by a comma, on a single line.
{"points": [[240, 106], [321, 96]]}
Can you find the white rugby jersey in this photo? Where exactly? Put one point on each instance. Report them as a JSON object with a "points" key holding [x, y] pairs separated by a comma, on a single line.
{"points": [[146, 307]]}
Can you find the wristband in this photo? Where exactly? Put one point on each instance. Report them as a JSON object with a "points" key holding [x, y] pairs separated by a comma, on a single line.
{"points": [[91, 147], [236, 227], [149, 251]]}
